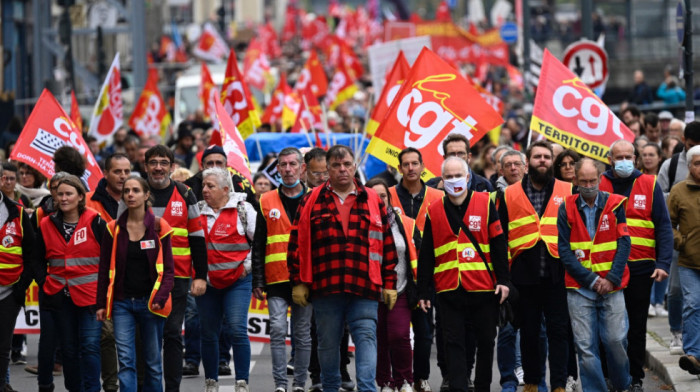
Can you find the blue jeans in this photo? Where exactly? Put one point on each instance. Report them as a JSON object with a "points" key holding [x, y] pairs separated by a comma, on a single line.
{"points": [[508, 356], [690, 283], [658, 291], [331, 313], [675, 297], [230, 304], [603, 319], [80, 334], [126, 314], [193, 342], [301, 336]]}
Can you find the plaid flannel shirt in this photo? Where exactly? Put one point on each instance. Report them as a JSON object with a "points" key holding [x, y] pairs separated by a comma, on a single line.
{"points": [[340, 264]]}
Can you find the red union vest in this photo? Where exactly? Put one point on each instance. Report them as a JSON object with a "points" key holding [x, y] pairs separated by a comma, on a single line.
{"points": [[74, 263], [165, 230], [638, 214], [525, 227], [11, 263], [596, 255], [409, 227], [431, 195], [175, 214], [226, 248], [457, 262], [278, 228], [375, 237]]}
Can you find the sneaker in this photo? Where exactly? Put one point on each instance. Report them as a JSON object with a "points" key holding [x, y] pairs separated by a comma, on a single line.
{"points": [[652, 311], [17, 358], [445, 385], [636, 387], [423, 386], [347, 386], [571, 384], [520, 375], [387, 388], [190, 369], [241, 386], [316, 386], [690, 364], [660, 311], [280, 389], [224, 369], [676, 347], [211, 385], [298, 389], [406, 387]]}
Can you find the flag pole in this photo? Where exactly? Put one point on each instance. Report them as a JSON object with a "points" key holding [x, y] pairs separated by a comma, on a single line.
{"points": [[324, 117], [301, 122], [359, 142]]}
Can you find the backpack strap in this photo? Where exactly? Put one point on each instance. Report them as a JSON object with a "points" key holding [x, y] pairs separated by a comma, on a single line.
{"points": [[672, 170]]}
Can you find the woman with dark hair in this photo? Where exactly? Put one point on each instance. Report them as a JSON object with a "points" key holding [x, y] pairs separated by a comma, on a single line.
{"points": [[31, 183], [136, 245], [564, 165], [67, 243], [394, 356], [651, 159]]}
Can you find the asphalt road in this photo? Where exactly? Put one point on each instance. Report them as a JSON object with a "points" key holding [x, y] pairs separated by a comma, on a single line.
{"points": [[260, 376]]}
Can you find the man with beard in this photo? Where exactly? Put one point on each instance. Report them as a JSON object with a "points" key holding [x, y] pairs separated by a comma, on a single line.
{"points": [[528, 212], [176, 203], [652, 245]]}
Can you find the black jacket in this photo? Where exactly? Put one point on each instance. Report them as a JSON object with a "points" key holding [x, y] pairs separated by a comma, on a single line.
{"points": [[108, 203]]}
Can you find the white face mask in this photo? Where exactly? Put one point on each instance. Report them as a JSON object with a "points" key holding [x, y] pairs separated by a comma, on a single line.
{"points": [[455, 186]]}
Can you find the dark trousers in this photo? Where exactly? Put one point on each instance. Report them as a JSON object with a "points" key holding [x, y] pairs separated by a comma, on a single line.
{"points": [[49, 352], [461, 311], [9, 309], [637, 298], [422, 343], [172, 336], [535, 300]]}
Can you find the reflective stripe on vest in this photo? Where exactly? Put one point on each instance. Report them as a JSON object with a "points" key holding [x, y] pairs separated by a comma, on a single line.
{"points": [[74, 263], [11, 261], [595, 255], [226, 248], [525, 227], [278, 228], [430, 196], [457, 262], [113, 230], [638, 214], [409, 226], [176, 214]]}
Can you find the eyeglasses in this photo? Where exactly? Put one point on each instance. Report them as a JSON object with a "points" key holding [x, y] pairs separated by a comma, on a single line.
{"points": [[319, 174], [9, 179], [155, 163], [508, 165], [460, 154]]}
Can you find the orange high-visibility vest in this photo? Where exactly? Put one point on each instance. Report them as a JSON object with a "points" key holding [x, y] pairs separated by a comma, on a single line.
{"points": [[409, 226], [596, 254], [175, 214], [165, 230], [457, 262], [97, 206], [74, 263], [278, 228], [226, 248], [525, 227], [11, 263], [638, 214], [375, 237], [430, 196]]}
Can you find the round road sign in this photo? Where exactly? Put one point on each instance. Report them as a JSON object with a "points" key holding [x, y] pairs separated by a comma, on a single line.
{"points": [[588, 61], [509, 32]]}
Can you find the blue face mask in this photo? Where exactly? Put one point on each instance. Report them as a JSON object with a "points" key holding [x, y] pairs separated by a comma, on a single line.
{"points": [[624, 168], [290, 186]]}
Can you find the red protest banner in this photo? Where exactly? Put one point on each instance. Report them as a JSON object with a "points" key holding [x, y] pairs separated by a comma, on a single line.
{"points": [[567, 112], [232, 142], [236, 98], [47, 129], [429, 106], [150, 116]]}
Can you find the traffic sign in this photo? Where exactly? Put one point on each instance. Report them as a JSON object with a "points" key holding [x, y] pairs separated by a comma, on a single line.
{"points": [[588, 61], [509, 32], [680, 22]]}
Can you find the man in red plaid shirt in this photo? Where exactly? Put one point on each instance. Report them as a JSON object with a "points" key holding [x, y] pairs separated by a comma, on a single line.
{"points": [[341, 255]]}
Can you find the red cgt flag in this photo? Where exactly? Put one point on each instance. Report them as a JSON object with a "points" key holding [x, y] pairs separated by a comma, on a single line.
{"points": [[341, 89], [256, 65], [434, 101], [567, 112], [107, 115], [273, 112], [313, 76], [211, 46], [150, 116], [394, 79], [308, 114], [208, 93], [235, 96], [231, 141], [75, 112], [47, 129]]}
